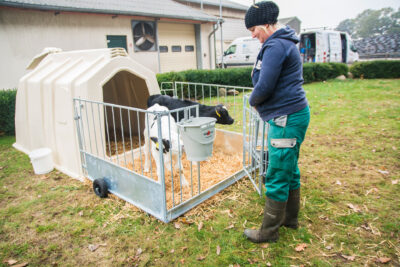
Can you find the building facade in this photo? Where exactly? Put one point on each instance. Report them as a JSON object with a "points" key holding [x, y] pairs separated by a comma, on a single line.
{"points": [[162, 35]]}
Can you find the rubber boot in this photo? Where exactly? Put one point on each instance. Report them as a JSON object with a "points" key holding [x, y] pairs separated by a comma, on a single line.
{"points": [[292, 210], [274, 212]]}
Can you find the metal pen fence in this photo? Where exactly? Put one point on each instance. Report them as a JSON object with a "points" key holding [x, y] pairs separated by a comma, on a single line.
{"points": [[112, 147], [111, 140]]}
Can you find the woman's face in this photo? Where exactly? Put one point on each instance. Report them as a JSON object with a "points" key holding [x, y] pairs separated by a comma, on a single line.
{"points": [[259, 33]]}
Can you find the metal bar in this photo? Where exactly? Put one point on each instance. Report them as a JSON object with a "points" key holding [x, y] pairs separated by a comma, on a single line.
{"points": [[94, 128], [115, 135], [170, 154], [202, 91], [101, 132], [162, 173], [77, 119], [149, 145], [198, 180], [130, 139], [87, 120], [108, 132], [140, 142], [122, 133], [81, 122], [191, 180]]}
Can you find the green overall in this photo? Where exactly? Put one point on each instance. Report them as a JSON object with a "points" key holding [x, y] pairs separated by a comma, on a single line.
{"points": [[285, 136]]}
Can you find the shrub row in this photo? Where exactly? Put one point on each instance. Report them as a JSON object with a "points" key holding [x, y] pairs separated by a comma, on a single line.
{"points": [[7, 111], [376, 69], [241, 76]]}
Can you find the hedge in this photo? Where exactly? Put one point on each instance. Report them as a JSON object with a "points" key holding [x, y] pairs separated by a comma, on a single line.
{"points": [[376, 69], [241, 76], [7, 111]]}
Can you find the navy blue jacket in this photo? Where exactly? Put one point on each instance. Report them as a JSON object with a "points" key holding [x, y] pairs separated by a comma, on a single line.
{"points": [[278, 76]]}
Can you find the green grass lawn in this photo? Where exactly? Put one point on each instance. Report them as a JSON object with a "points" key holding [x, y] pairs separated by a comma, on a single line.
{"points": [[350, 205]]}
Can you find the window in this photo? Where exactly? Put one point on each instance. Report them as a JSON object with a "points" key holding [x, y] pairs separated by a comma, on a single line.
{"points": [[116, 41], [189, 48], [230, 50], [163, 49], [176, 48]]}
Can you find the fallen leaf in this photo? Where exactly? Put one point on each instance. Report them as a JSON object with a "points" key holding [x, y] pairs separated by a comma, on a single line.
{"points": [[177, 225], [139, 251], [301, 247], [383, 172], [92, 247], [349, 258], [21, 264], [395, 181], [384, 260], [230, 227], [372, 190], [186, 221], [218, 250], [200, 226], [200, 258], [183, 249], [10, 261], [353, 207], [229, 212], [182, 261]]}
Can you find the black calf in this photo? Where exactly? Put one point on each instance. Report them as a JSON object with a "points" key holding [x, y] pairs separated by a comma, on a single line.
{"points": [[219, 111]]}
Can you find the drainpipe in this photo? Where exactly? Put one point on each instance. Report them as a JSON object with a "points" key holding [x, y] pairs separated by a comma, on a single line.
{"points": [[222, 40], [209, 44]]}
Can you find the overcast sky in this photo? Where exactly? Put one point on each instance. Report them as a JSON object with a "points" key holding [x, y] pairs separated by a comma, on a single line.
{"points": [[323, 13]]}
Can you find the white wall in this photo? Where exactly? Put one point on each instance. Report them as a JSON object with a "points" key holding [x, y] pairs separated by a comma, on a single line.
{"points": [[24, 33], [205, 30]]}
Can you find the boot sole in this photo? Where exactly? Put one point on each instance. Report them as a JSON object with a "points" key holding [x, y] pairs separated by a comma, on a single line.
{"points": [[295, 227]]}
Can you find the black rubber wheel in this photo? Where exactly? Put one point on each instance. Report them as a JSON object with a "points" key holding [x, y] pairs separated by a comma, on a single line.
{"points": [[100, 187]]}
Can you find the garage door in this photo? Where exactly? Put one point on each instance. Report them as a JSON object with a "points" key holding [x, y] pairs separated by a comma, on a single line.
{"points": [[177, 46]]}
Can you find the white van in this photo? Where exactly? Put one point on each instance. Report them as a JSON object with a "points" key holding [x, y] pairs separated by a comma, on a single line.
{"points": [[241, 52], [327, 46]]}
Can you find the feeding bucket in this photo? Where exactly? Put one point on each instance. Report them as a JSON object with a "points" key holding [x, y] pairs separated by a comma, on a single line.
{"points": [[198, 136], [42, 161]]}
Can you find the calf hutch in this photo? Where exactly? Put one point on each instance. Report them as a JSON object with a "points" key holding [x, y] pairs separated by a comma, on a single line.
{"points": [[90, 108]]}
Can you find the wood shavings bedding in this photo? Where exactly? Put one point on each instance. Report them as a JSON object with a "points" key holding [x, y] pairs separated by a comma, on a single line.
{"points": [[212, 171]]}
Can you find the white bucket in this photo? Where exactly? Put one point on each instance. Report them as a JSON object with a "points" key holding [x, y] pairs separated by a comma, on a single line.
{"points": [[41, 160]]}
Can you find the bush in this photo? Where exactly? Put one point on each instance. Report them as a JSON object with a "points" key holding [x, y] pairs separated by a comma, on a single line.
{"points": [[376, 69], [323, 71], [7, 111], [241, 76]]}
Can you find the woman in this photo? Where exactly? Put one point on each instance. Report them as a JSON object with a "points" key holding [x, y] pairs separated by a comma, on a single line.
{"points": [[280, 100]]}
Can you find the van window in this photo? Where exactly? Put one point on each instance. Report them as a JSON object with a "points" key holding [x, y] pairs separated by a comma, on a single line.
{"points": [[230, 50]]}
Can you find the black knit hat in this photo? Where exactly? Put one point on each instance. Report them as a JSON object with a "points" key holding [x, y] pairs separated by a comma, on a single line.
{"points": [[262, 13]]}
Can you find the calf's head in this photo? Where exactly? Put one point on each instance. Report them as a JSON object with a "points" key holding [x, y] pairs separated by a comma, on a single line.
{"points": [[223, 115]]}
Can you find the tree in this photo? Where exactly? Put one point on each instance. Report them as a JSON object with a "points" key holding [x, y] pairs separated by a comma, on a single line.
{"points": [[371, 23]]}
